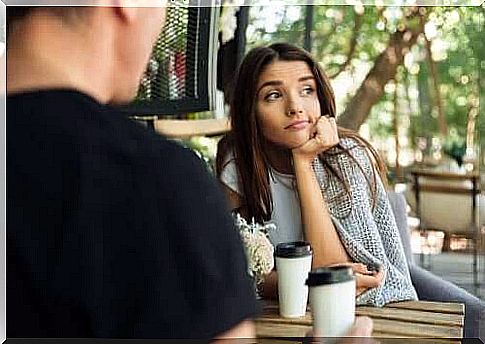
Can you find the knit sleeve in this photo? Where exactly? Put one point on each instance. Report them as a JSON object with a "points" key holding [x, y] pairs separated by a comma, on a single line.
{"points": [[366, 228], [382, 212]]}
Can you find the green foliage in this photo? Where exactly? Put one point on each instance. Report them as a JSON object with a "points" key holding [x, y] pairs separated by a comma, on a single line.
{"points": [[455, 148], [458, 51]]}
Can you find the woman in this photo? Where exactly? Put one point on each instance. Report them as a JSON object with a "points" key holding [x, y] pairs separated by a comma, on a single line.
{"points": [[286, 160]]}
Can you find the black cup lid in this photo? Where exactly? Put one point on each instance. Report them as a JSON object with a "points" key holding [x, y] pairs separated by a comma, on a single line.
{"points": [[323, 276], [293, 249]]}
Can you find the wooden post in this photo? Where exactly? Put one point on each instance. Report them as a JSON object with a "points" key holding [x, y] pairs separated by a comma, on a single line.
{"points": [[308, 27]]}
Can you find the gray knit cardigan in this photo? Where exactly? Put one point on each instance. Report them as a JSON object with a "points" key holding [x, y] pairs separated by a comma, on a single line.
{"points": [[368, 231]]}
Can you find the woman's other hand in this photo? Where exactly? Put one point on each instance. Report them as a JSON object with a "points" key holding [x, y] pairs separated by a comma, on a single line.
{"points": [[323, 137], [364, 278]]}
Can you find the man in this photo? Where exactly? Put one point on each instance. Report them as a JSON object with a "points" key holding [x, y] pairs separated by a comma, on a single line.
{"points": [[112, 231]]}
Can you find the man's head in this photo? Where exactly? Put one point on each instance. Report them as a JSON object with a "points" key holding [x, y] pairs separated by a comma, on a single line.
{"points": [[16, 14], [111, 44]]}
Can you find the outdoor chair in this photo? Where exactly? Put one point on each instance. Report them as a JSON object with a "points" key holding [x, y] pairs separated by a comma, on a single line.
{"points": [[433, 288], [448, 202]]}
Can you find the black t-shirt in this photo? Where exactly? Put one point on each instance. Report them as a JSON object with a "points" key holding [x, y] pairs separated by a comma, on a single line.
{"points": [[113, 231]]}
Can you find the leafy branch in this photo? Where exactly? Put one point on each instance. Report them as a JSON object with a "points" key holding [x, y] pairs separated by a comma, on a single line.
{"points": [[358, 19]]}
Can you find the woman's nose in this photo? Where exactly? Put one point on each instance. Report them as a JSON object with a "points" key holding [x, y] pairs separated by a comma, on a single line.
{"points": [[292, 113], [293, 109]]}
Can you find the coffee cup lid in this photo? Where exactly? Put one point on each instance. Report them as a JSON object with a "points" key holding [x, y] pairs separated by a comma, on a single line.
{"points": [[293, 249], [330, 275]]}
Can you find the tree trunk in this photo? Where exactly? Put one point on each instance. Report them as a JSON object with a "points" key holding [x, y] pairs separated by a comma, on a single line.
{"points": [[384, 69], [470, 127], [395, 123], [442, 125]]}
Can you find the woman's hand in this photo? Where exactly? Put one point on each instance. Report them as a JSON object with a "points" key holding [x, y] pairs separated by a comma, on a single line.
{"points": [[364, 278], [323, 136]]}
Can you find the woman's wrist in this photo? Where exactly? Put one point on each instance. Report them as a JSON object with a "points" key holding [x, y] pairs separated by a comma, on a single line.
{"points": [[302, 162]]}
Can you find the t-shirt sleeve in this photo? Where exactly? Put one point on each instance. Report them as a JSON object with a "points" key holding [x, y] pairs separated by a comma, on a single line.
{"points": [[207, 287], [229, 175]]}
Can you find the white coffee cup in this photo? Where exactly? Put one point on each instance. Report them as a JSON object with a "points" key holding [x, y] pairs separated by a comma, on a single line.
{"points": [[332, 300], [293, 263]]}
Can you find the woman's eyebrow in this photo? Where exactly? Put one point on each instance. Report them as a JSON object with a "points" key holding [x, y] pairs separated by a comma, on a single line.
{"points": [[270, 83], [307, 77], [279, 83]]}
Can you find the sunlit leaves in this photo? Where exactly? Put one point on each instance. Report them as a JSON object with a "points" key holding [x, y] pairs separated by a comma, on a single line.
{"points": [[457, 43]]}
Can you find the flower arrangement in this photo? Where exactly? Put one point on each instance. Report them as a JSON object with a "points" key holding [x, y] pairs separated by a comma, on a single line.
{"points": [[258, 248]]}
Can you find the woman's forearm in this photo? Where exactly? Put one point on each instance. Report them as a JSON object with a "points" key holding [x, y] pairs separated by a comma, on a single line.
{"points": [[317, 224]]}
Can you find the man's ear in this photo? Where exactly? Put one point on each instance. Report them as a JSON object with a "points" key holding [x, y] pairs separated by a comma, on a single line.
{"points": [[126, 10]]}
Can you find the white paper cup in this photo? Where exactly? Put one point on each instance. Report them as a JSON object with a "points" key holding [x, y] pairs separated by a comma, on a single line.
{"points": [[293, 263], [332, 301]]}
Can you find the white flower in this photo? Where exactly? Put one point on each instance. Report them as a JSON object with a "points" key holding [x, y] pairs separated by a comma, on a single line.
{"points": [[228, 23], [259, 250], [228, 19]]}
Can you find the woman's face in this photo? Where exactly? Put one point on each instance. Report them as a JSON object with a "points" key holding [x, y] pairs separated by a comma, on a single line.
{"points": [[287, 105]]}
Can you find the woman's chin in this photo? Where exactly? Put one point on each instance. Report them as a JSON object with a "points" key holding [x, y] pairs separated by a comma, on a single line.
{"points": [[289, 142], [296, 144], [298, 141]]}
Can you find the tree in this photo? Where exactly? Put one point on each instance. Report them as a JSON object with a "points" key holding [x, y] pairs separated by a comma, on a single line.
{"points": [[384, 69]]}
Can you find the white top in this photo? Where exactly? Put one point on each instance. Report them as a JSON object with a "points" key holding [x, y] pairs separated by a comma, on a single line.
{"points": [[286, 213]]}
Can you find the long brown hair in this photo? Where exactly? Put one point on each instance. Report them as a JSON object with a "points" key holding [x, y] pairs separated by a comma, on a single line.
{"points": [[246, 139]]}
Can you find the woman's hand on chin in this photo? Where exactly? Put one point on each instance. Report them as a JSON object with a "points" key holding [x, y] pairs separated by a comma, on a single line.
{"points": [[323, 137]]}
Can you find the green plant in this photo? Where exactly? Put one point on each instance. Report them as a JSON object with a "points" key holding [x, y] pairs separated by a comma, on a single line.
{"points": [[455, 148]]}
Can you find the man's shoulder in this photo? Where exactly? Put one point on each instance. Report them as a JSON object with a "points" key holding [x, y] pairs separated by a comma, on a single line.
{"points": [[77, 118]]}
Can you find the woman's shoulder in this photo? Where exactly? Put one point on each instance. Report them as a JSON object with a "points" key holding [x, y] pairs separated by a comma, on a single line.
{"points": [[349, 142], [225, 155], [358, 151], [348, 147], [228, 173], [228, 161]]}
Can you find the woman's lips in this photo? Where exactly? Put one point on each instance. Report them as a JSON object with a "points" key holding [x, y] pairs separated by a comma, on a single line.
{"points": [[298, 125]]}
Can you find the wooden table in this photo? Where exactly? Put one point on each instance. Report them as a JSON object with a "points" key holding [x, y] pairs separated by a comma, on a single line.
{"points": [[441, 322]]}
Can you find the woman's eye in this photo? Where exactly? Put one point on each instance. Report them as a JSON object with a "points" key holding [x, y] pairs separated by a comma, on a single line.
{"points": [[272, 96], [308, 90]]}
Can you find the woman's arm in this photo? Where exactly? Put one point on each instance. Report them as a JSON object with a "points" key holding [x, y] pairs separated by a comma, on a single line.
{"points": [[317, 224]]}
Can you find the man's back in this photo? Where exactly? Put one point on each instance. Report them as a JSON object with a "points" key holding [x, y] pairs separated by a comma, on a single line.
{"points": [[111, 230]]}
